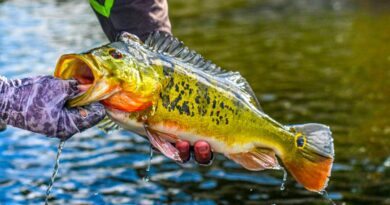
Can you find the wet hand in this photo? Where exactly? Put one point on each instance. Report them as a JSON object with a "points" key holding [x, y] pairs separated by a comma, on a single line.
{"points": [[201, 151]]}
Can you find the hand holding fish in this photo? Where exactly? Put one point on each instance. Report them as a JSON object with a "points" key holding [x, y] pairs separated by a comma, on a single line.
{"points": [[38, 104], [202, 151]]}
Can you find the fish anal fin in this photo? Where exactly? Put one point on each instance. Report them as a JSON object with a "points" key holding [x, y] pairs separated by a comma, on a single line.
{"points": [[256, 160], [163, 145]]}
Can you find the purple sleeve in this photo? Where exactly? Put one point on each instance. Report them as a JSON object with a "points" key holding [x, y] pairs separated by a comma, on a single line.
{"points": [[38, 104], [139, 17]]}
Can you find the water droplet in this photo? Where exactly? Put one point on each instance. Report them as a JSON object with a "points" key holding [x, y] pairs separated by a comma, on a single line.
{"points": [[326, 196], [55, 171], [282, 187], [147, 174]]}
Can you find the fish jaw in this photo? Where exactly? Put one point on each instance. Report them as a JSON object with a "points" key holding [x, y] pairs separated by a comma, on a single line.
{"points": [[84, 69], [101, 90]]}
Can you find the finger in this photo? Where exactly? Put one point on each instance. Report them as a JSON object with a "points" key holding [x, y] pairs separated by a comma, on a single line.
{"points": [[87, 116], [203, 152], [184, 150], [83, 112]]}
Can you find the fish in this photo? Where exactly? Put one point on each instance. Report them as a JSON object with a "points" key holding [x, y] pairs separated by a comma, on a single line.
{"points": [[167, 92]]}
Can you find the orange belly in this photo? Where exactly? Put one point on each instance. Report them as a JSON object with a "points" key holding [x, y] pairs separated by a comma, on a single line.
{"points": [[127, 102]]}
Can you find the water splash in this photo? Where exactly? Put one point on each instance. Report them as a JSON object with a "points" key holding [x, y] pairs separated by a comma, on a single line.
{"points": [[326, 196], [282, 186], [147, 174], [55, 171]]}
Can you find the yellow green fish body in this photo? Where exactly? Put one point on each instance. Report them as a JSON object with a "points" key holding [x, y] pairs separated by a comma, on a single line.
{"points": [[163, 90], [195, 106]]}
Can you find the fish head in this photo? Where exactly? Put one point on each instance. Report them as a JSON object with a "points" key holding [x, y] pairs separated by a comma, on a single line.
{"points": [[115, 74]]}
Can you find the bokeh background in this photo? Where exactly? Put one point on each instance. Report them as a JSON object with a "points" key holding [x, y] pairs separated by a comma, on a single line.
{"points": [[322, 61]]}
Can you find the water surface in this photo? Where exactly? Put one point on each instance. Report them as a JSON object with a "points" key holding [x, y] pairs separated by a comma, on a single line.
{"points": [[308, 61]]}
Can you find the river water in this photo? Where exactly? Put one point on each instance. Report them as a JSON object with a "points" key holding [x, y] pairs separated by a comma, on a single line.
{"points": [[324, 61]]}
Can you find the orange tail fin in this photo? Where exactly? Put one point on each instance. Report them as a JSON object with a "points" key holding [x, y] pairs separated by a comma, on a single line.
{"points": [[311, 161]]}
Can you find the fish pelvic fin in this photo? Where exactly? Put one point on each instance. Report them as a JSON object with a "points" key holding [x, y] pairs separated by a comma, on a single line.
{"points": [[161, 143], [311, 161], [256, 160]]}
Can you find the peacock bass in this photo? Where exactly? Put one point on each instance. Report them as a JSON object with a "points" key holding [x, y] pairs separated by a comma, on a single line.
{"points": [[167, 92]]}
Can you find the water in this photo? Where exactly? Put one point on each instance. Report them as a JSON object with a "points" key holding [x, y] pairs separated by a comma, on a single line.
{"points": [[147, 173], [325, 194], [55, 171], [283, 186], [321, 61]]}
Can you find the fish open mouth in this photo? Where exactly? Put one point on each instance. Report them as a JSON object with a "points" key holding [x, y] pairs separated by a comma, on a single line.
{"points": [[76, 67], [83, 68]]}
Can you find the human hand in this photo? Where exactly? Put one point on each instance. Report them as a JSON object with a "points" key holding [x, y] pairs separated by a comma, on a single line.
{"points": [[201, 151], [38, 104]]}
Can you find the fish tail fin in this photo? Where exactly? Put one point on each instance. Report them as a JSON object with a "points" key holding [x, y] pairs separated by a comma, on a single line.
{"points": [[311, 161]]}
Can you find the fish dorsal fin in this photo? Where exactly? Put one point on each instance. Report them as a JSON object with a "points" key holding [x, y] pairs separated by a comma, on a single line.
{"points": [[107, 125], [168, 45]]}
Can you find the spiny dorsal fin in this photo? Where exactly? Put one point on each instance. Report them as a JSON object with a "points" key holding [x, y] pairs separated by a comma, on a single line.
{"points": [[168, 45]]}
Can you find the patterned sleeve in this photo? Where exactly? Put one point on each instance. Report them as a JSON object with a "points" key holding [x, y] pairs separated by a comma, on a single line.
{"points": [[38, 104]]}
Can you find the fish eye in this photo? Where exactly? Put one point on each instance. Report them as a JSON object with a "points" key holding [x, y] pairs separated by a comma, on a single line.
{"points": [[115, 54], [300, 140]]}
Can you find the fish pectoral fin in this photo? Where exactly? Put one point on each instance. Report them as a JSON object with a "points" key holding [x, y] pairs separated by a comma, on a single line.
{"points": [[164, 146], [256, 160], [107, 125]]}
